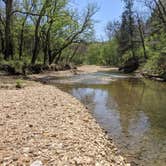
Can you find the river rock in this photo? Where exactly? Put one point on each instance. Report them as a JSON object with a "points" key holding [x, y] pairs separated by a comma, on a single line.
{"points": [[37, 163], [60, 135]]}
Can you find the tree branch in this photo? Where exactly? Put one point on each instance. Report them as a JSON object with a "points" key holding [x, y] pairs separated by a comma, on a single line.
{"points": [[28, 13]]}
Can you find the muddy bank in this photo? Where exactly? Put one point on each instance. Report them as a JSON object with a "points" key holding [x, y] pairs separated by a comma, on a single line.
{"points": [[41, 123]]}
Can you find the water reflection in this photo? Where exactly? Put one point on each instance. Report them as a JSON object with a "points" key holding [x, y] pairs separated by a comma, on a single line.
{"points": [[133, 112]]}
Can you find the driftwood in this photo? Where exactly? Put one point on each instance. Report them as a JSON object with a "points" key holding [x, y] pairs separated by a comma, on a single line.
{"points": [[156, 77]]}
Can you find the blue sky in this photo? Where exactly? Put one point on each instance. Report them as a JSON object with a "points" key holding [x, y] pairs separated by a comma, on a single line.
{"points": [[109, 10]]}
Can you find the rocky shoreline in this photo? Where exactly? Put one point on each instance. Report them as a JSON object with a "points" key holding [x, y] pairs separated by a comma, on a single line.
{"points": [[43, 126]]}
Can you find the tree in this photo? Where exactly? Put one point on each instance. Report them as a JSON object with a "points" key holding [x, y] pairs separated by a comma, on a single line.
{"points": [[158, 10], [75, 33], [37, 26], [28, 6], [8, 34], [49, 26], [141, 33], [127, 29], [2, 38]]}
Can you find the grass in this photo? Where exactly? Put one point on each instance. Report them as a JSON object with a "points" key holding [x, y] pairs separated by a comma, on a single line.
{"points": [[19, 84]]}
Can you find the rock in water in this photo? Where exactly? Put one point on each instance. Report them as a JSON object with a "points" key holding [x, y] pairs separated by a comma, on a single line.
{"points": [[37, 163], [130, 65]]}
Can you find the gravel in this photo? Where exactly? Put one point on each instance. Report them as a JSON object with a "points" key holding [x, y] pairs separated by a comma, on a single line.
{"points": [[42, 126]]}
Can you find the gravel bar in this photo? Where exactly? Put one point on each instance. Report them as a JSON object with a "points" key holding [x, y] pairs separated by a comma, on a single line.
{"points": [[42, 126]]}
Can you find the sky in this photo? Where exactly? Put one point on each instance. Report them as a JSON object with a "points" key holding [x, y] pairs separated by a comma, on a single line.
{"points": [[109, 10]]}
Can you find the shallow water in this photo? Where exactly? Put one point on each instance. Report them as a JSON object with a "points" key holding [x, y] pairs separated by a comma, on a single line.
{"points": [[131, 110]]}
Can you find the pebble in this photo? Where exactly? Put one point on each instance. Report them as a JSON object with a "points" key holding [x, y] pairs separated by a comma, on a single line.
{"points": [[37, 163], [57, 135]]}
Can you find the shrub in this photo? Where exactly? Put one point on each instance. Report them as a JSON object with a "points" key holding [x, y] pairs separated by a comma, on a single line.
{"points": [[156, 64], [19, 84]]}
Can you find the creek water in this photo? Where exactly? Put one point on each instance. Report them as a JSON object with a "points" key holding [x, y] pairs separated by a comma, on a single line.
{"points": [[131, 110]]}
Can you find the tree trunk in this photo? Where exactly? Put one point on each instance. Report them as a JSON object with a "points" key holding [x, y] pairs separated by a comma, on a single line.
{"points": [[47, 53], [142, 36], [8, 34], [22, 37], [36, 42], [74, 53], [58, 57], [2, 42], [36, 36]]}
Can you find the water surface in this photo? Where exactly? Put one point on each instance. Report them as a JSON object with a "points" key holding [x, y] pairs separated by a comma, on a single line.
{"points": [[131, 110]]}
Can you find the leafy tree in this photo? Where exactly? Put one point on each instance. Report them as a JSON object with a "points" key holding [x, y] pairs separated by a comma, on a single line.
{"points": [[41, 30]]}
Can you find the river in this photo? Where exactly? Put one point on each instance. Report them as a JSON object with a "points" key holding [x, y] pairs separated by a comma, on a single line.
{"points": [[131, 110]]}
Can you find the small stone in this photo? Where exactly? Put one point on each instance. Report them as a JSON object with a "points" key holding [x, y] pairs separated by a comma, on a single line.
{"points": [[26, 150], [25, 159], [98, 164], [15, 159], [7, 116], [30, 125], [37, 163], [54, 135]]}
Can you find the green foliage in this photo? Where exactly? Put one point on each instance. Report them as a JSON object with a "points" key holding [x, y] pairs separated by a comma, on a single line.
{"points": [[19, 84], [102, 53], [94, 53], [139, 39], [156, 64], [109, 54], [16, 64], [156, 46], [128, 55], [42, 30]]}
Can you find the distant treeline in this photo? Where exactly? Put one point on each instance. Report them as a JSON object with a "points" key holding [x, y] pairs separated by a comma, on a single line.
{"points": [[138, 39]]}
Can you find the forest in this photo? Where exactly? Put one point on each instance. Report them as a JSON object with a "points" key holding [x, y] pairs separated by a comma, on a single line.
{"points": [[38, 35], [138, 40]]}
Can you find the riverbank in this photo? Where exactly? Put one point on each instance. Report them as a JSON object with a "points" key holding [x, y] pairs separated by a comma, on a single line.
{"points": [[46, 76], [37, 124]]}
